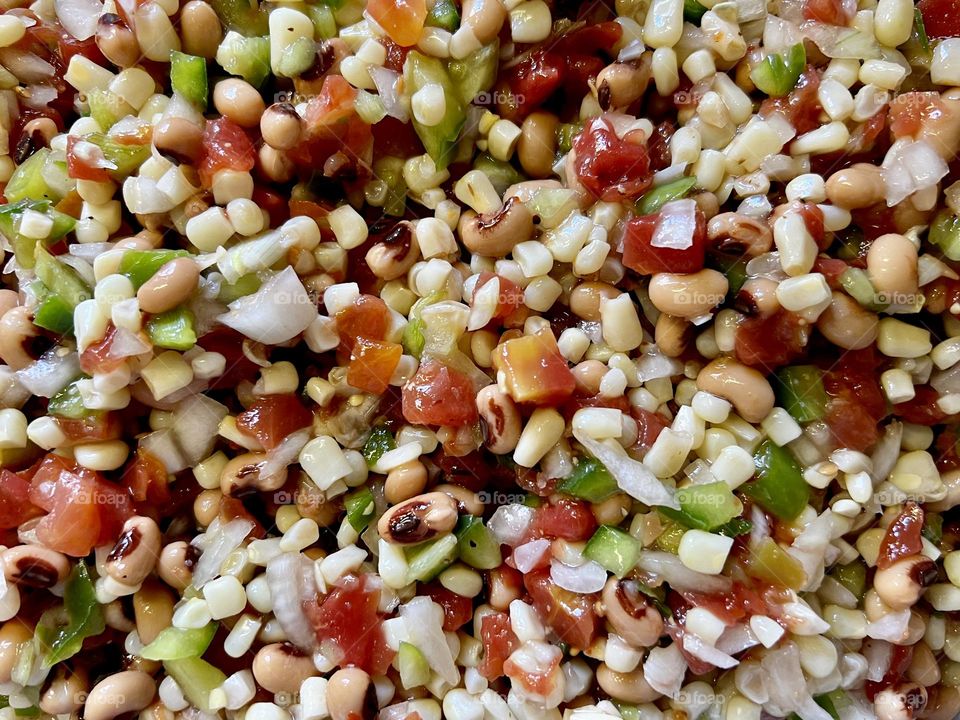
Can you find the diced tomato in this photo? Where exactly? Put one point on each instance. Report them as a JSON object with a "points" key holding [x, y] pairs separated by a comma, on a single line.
{"points": [[527, 85], [274, 203], [900, 659], [831, 269], [941, 18], [232, 508], [15, 505], [903, 537], [439, 395], [229, 343], [922, 409], [854, 376], [770, 342], [396, 55], [146, 477], [909, 111], [372, 364], [732, 606], [610, 168], [572, 616], [94, 428], [589, 39], [534, 370], [349, 617], [401, 19], [499, 642], [308, 208], [540, 682], [947, 447], [78, 168], [801, 107], [850, 424], [509, 298], [96, 358], [650, 425], [457, 609], [832, 12], [225, 147], [566, 519], [865, 136], [272, 418], [641, 255], [812, 218], [368, 317]]}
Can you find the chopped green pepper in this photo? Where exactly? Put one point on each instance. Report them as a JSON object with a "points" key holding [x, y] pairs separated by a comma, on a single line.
{"points": [[246, 16], [126, 157], [412, 665], [777, 76], [324, 23], [389, 169], [932, 528], [84, 619], [858, 286], [800, 392], [920, 30], [413, 339], [653, 200], [669, 539], [735, 268], [735, 528], [247, 57], [245, 285], [10, 217], [693, 12], [427, 560], [565, 135], [439, 140], [27, 181], [360, 508], [141, 265], [772, 563], [478, 547], [197, 679], [68, 403], [173, 329], [945, 233], [444, 14], [705, 507], [614, 549], [60, 279], [188, 77], [370, 107], [502, 175], [106, 107], [53, 313], [178, 643], [590, 481], [779, 486], [379, 441], [475, 73], [853, 576]]}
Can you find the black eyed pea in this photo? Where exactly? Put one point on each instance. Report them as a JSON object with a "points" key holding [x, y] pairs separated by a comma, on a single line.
{"points": [[274, 165], [758, 298], [847, 324], [16, 328], [901, 584], [124, 692], [393, 256], [504, 589], [538, 143], [945, 705], [65, 692], [13, 633], [858, 186], [494, 235], [281, 126], [500, 420], [115, 616], [630, 613], [117, 41], [588, 374], [904, 701], [738, 233], [206, 506], [240, 101], [688, 295], [892, 267], [468, 502], [621, 84], [176, 563], [629, 687], [135, 553], [747, 389], [672, 335], [9, 299], [152, 609], [34, 566], [200, 29], [405, 482], [351, 695], [418, 519], [615, 508], [170, 286], [281, 667], [178, 139], [243, 473], [585, 299]]}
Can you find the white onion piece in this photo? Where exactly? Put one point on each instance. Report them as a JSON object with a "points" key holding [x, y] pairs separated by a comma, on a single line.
{"points": [[801, 619], [669, 567], [126, 344], [27, 66], [676, 226], [737, 638], [632, 476], [89, 251], [527, 556], [886, 451], [695, 645], [284, 454], [841, 42], [587, 578], [779, 34], [39, 96], [290, 578], [878, 653], [388, 86], [51, 373], [910, 166], [664, 669], [226, 538], [653, 364], [509, 523], [162, 445], [79, 17], [141, 196], [195, 423], [891, 627], [483, 304], [279, 311], [788, 687], [810, 548], [427, 617]]}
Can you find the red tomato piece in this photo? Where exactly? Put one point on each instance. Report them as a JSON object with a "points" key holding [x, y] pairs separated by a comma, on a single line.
{"points": [[274, 203], [80, 169], [457, 609], [372, 364], [572, 616], [509, 298], [229, 343], [910, 110], [499, 642], [650, 425], [770, 342], [643, 257], [401, 19], [348, 616], [439, 395], [96, 358], [590, 39], [610, 168], [850, 424], [96, 427], [225, 147], [15, 505], [272, 418], [941, 18], [566, 518], [854, 376], [368, 318], [534, 370], [831, 269], [146, 477], [903, 537], [801, 107], [832, 12], [922, 409], [529, 83]]}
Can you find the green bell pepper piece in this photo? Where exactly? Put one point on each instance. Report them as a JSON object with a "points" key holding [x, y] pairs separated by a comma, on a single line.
{"points": [[614, 549], [390, 170], [85, 619], [188, 77], [360, 508], [27, 182], [107, 107], [413, 339], [54, 314], [247, 57], [478, 547], [441, 139], [412, 665], [370, 107], [777, 76], [705, 507], [173, 329], [932, 528], [565, 135], [444, 14], [245, 285], [735, 528], [800, 392], [945, 233], [653, 200], [245, 16], [693, 12], [24, 248], [197, 678], [427, 560], [475, 73], [324, 23], [60, 279], [920, 30], [669, 539], [853, 576], [501, 174], [858, 286], [127, 158], [379, 441], [68, 403], [590, 481], [178, 643], [779, 486], [141, 265]]}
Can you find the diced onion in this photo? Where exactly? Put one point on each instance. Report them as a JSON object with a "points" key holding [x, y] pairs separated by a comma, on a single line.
{"points": [[672, 571], [427, 617], [388, 84], [290, 579], [632, 476], [587, 578], [527, 556], [835, 41], [79, 17], [665, 669], [910, 166], [284, 454], [709, 654], [676, 226], [279, 311], [509, 523], [225, 539], [51, 373]]}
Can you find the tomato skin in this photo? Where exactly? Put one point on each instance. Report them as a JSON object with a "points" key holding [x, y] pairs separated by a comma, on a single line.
{"points": [[225, 147], [229, 343], [570, 615], [457, 609], [511, 294], [96, 358], [832, 12], [439, 395], [566, 519], [922, 409], [644, 258], [850, 424], [347, 608], [903, 537], [535, 371], [372, 365], [78, 169], [368, 318], [855, 376], [528, 84], [941, 18], [101, 426], [770, 342], [650, 425], [146, 478], [15, 505], [401, 19], [272, 418], [610, 168], [499, 642]]}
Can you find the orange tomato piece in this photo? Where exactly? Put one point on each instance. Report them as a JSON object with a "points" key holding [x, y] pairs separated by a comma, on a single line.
{"points": [[367, 318], [535, 370], [402, 20], [372, 364]]}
